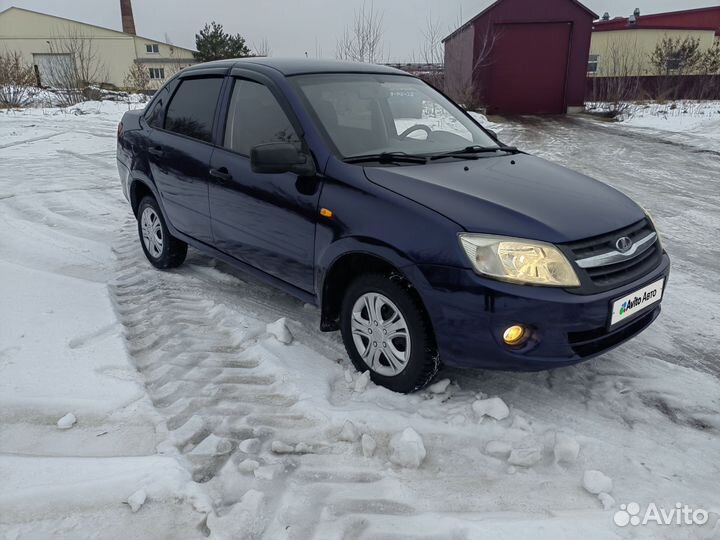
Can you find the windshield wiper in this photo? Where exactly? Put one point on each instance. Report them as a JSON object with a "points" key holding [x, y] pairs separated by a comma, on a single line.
{"points": [[387, 157], [470, 152]]}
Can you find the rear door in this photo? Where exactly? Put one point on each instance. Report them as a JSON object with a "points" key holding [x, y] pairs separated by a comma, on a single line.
{"points": [[179, 154], [265, 220]]}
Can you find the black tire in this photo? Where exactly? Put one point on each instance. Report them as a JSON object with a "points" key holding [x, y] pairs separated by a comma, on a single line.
{"points": [[423, 362], [173, 251]]}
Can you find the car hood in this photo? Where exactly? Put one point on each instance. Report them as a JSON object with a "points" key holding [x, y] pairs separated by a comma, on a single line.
{"points": [[514, 195]]}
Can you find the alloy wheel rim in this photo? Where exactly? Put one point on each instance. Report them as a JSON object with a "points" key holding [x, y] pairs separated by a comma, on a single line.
{"points": [[380, 334], [152, 233]]}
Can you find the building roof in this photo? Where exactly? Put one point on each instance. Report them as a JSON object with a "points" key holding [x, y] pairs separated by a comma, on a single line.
{"points": [[707, 18], [300, 66], [497, 3], [91, 25]]}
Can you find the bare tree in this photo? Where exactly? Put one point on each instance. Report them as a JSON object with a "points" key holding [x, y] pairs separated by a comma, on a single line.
{"points": [[77, 66], [137, 78], [363, 41], [432, 52], [175, 65], [16, 81], [463, 62], [619, 82], [432, 49], [262, 48]]}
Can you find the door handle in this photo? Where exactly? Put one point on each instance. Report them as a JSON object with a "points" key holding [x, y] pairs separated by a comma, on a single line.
{"points": [[221, 174], [156, 151]]}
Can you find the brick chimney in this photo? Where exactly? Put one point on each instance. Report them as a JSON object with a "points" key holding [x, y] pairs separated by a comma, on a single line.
{"points": [[128, 22]]}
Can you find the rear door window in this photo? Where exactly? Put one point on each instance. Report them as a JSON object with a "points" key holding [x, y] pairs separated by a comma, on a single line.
{"points": [[255, 117], [192, 109], [154, 116]]}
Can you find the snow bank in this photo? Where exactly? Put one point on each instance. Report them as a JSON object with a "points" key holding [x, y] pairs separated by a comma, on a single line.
{"points": [[46, 375], [695, 123], [38, 487]]}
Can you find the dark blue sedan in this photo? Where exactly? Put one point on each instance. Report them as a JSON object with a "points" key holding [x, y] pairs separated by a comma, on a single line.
{"points": [[421, 236]]}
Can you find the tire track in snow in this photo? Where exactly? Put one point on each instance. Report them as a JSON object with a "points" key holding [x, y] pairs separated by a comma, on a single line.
{"points": [[31, 140], [204, 371]]}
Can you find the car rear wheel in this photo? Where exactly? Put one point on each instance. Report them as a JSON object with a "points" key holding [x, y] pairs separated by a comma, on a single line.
{"points": [[161, 248], [386, 330]]}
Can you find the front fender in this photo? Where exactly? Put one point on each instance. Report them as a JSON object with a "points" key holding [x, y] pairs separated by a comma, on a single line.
{"points": [[334, 264], [358, 245]]}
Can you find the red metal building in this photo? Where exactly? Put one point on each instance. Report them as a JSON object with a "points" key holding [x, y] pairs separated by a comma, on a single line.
{"points": [[707, 18], [521, 57]]}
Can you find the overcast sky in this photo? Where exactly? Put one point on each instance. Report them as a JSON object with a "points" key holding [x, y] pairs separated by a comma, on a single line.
{"points": [[293, 27]]}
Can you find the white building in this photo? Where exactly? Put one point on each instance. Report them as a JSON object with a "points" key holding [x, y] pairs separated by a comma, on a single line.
{"points": [[108, 56]]}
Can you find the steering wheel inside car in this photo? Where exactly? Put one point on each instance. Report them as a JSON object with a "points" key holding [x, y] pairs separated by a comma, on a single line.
{"points": [[414, 128]]}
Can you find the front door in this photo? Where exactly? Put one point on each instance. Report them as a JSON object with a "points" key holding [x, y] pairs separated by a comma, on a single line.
{"points": [[265, 220]]}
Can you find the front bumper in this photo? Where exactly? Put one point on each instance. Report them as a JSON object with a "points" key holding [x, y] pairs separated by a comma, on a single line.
{"points": [[469, 314]]}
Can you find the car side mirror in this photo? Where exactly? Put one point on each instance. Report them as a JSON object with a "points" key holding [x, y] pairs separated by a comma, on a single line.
{"points": [[492, 133], [280, 157]]}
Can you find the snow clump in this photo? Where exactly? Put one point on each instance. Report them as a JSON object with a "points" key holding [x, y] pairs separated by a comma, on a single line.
{"points": [[362, 381], [137, 499], [566, 449], [67, 421], [493, 407], [407, 449], [498, 449], [596, 482], [280, 330], [250, 446], [525, 457], [368, 445], [439, 387], [349, 432]]}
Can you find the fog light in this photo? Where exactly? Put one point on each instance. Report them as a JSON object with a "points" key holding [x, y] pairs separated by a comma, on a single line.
{"points": [[514, 334]]}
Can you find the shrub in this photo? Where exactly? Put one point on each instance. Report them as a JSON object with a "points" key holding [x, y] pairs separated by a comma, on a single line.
{"points": [[17, 81]]}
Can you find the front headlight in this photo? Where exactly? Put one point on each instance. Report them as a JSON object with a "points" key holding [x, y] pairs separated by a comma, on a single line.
{"points": [[518, 261]]}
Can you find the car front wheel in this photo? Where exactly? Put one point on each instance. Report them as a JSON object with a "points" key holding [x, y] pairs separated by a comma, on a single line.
{"points": [[386, 330]]}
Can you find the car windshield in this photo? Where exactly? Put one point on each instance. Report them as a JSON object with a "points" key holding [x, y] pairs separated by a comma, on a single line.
{"points": [[367, 114]]}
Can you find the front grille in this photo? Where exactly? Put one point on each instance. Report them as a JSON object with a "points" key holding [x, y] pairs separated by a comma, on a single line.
{"points": [[615, 274], [592, 342]]}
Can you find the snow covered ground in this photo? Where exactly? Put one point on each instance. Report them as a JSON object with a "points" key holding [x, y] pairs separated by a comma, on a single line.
{"points": [[208, 404], [686, 122]]}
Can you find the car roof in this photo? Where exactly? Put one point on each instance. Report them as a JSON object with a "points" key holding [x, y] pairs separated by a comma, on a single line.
{"points": [[298, 66]]}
